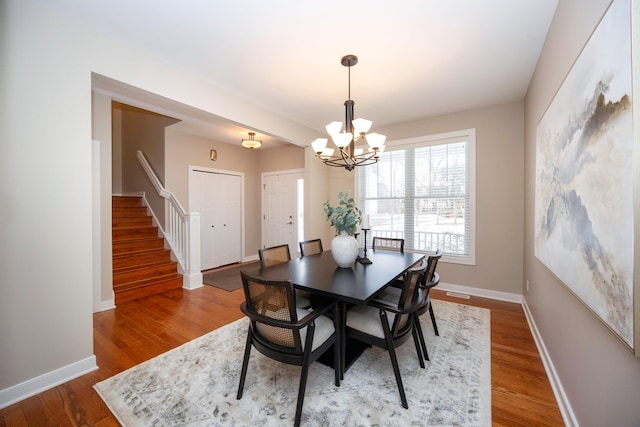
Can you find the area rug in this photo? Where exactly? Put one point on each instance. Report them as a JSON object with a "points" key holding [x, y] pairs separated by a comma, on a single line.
{"points": [[228, 278], [196, 384]]}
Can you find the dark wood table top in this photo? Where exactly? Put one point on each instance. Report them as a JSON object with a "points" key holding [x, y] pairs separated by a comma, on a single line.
{"points": [[321, 275]]}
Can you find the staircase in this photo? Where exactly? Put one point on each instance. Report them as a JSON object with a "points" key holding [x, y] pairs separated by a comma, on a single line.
{"points": [[141, 264]]}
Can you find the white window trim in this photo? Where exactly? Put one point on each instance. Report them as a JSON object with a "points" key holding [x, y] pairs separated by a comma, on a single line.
{"points": [[468, 135]]}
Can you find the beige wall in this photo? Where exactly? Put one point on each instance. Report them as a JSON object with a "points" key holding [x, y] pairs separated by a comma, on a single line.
{"points": [[142, 130], [283, 158], [317, 191], [183, 150], [601, 378], [499, 183]]}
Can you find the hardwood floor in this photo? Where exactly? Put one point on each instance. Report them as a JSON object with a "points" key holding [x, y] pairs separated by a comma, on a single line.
{"points": [[139, 330]]}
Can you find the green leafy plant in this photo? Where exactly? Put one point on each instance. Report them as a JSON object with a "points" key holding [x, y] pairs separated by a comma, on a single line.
{"points": [[344, 217]]}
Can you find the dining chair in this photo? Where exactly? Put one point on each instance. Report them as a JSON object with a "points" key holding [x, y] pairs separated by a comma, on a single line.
{"points": [[277, 255], [310, 247], [387, 244], [274, 255], [284, 332], [387, 324], [430, 280]]}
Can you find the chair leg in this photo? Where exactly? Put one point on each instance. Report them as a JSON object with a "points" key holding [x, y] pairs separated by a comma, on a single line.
{"points": [[245, 364], [343, 337], [394, 359], [337, 347], [304, 373], [423, 343], [433, 320], [416, 341], [303, 385]]}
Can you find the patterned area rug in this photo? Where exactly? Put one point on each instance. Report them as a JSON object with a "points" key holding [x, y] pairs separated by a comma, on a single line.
{"points": [[196, 383]]}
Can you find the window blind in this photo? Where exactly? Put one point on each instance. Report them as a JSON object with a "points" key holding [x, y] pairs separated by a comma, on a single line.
{"points": [[421, 194]]}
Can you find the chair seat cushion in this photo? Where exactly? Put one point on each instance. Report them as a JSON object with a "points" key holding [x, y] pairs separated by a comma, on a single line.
{"points": [[367, 319], [324, 329], [303, 299], [390, 294]]}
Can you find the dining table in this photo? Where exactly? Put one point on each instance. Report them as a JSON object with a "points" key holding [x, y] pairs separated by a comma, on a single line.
{"points": [[320, 276]]}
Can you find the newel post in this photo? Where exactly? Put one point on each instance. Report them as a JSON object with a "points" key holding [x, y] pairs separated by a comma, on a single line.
{"points": [[193, 276]]}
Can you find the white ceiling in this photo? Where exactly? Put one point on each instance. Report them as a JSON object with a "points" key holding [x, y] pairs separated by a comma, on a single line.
{"points": [[417, 58]]}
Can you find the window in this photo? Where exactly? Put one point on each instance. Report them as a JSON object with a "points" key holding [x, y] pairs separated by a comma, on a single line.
{"points": [[423, 190]]}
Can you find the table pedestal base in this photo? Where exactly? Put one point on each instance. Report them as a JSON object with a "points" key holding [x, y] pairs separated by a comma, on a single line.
{"points": [[354, 349]]}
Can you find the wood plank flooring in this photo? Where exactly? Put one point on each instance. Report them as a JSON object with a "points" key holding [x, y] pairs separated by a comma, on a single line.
{"points": [[139, 330]]}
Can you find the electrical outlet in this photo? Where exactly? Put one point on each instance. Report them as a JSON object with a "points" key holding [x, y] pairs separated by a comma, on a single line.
{"points": [[527, 285]]}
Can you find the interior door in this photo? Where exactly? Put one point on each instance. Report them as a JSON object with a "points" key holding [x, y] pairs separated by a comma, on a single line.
{"points": [[227, 214], [217, 197], [281, 210]]}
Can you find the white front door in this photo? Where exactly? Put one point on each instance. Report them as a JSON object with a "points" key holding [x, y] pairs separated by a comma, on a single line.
{"points": [[282, 212]]}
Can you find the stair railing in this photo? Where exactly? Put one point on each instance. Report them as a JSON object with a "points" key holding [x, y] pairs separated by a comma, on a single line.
{"points": [[181, 230]]}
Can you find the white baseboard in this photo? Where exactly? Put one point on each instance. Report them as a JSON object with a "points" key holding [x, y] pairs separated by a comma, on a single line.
{"points": [[483, 293], [36, 385], [251, 258], [106, 305], [564, 405]]}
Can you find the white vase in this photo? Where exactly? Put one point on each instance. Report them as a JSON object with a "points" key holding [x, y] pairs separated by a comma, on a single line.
{"points": [[344, 249]]}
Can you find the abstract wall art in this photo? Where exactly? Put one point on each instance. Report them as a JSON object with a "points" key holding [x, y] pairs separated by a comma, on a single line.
{"points": [[584, 187]]}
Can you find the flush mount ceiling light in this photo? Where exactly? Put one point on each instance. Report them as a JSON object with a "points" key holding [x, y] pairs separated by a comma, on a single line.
{"points": [[349, 155], [251, 144]]}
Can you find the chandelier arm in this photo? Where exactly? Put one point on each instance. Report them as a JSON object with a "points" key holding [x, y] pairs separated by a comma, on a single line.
{"points": [[367, 160], [350, 162], [348, 159]]}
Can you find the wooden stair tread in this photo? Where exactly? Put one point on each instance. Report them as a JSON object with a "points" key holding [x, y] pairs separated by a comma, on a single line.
{"points": [[129, 246], [135, 227], [136, 238], [157, 266], [145, 291], [140, 252], [146, 282], [126, 201], [133, 220]]}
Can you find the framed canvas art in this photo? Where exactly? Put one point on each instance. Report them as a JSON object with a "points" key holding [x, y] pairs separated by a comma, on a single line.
{"points": [[584, 188]]}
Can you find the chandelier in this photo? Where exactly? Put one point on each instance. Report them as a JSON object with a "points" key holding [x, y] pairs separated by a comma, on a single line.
{"points": [[351, 150], [251, 144]]}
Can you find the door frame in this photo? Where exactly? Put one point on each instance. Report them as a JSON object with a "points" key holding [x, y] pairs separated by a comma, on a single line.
{"points": [[262, 199], [195, 169]]}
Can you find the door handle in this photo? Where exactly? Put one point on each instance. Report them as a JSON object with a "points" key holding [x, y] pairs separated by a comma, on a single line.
{"points": [[290, 223]]}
